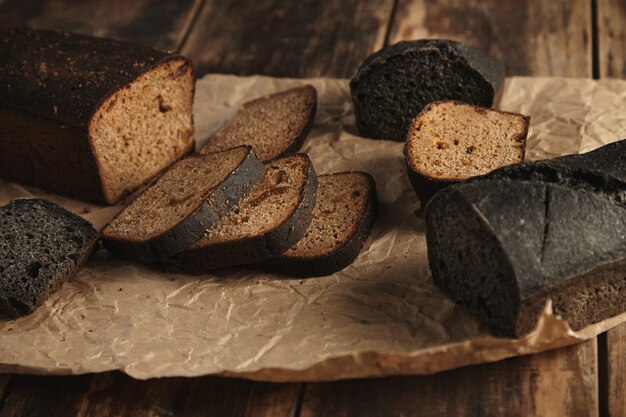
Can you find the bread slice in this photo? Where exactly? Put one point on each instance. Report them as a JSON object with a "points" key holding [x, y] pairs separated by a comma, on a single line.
{"points": [[42, 245], [450, 141], [188, 199], [275, 125], [267, 222], [95, 118], [345, 210], [502, 244]]}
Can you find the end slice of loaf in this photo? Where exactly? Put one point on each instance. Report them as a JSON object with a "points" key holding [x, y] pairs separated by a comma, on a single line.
{"points": [[450, 141], [187, 200], [345, 210], [275, 125], [41, 246], [267, 222]]}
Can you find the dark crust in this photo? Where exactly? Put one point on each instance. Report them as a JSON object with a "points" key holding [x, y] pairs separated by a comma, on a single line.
{"points": [[43, 70], [339, 259], [261, 247], [64, 276], [426, 186], [298, 141], [234, 187]]}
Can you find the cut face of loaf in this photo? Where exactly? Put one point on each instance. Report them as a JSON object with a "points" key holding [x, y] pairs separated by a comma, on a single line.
{"points": [[274, 125], [450, 141], [345, 209], [188, 199], [87, 117], [393, 85], [502, 244], [267, 222], [41, 246]]}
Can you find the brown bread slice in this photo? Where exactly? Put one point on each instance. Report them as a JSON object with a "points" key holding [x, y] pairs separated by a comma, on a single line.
{"points": [[89, 117], [188, 199], [450, 141], [267, 222], [345, 210], [275, 125]]}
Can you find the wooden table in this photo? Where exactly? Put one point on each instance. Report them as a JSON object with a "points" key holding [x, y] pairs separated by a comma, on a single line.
{"points": [[577, 38]]}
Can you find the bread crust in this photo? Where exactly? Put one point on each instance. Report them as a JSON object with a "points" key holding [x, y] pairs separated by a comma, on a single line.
{"points": [[257, 248], [232, 188]]}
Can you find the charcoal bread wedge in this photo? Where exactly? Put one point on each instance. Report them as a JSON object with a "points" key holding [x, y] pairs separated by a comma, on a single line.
{"points": [[188, 199], [451, 141], [502, 244], [42, 245], [393, 85], [88, 117], [345, 210], [275, 125], [272, 218]]}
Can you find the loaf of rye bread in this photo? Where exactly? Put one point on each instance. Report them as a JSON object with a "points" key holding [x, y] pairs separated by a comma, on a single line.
{"points": [[41, 246], [182, 204], [88, 117], [276, 124], [502, 244], [272, 218], [393, 85], [345, 210], [450, 141]]}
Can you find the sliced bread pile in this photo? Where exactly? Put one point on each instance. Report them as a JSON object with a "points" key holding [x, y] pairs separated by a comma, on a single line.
{"points": [[451, 141], [42, 245]]}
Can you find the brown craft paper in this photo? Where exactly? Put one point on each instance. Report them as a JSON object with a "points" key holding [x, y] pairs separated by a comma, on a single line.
{"points": [[380, 316]]}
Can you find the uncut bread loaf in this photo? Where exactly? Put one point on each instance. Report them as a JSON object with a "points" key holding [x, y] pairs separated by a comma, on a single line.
{"points": [[393, 85], [450, 141], [42, 245], [502, 244], [88, 117], [345, 210], [275, 125], [265, 223], [182, 204]]}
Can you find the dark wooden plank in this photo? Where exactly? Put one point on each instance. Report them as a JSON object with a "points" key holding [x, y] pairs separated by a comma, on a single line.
{"points": [[151, 22], [615, 402], [549, 37], [5, 379], [565, 386], [287, 38], [115, 394], [612, 38]]}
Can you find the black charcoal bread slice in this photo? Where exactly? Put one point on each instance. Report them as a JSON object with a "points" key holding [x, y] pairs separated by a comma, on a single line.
{"points": [[392, 86], [89, 117], [275, 125], [267, 222], [501, 247], [451, 141], [42, 245], [189, 198], [345, 210]]}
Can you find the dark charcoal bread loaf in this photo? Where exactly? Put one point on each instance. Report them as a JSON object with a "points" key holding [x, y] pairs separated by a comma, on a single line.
{"points": [[42, 245], [450, 141], [275, 125], [393, 85], [502, 244], [87, 117], [182, 204], [267, 222], [345, 210]]}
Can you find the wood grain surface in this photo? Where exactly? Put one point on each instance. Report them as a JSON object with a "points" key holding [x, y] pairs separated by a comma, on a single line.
{"points": [[151, 22], [285, 38], [530, 37], [555, 383], [114, 394], [612, 38]]}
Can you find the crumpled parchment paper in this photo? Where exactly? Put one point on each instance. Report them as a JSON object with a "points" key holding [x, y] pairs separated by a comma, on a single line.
{"points": [[380, 316]]}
